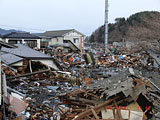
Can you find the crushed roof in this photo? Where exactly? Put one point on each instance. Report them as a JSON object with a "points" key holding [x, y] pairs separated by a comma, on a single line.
{"points": [[25, 52], [10, 58], [4, 44]]}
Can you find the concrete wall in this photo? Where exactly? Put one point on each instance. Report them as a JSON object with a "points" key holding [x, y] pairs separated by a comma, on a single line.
{"points": [[5, 40], [38, 43], [53, 41], [58, 40]]}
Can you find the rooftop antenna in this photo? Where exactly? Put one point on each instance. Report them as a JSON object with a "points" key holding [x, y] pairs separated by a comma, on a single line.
{"points": [[106, 27]]}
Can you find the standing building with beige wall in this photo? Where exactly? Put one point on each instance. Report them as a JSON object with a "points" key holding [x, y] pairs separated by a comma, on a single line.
{"points": [[65, 38]]}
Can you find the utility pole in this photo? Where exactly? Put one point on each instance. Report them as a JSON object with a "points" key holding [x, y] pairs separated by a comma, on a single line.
{"points": [[106, 27]]}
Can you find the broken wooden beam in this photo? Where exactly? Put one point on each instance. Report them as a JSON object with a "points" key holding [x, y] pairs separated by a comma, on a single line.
{"points": [[83, 100], [28, 74], [97, 108], [95, 114]]}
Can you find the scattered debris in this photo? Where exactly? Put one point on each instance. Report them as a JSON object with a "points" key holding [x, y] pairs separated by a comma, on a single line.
{"points": [[72, 86]]}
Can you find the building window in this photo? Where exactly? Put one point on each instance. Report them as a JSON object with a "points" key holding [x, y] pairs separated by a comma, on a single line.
{"points": [[31, 43], [75, 40], [12, 42], [19, 41], [65, 41]]}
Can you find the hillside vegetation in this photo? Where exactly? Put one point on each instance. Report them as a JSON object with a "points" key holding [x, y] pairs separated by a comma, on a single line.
{"points": [[143, 26]]}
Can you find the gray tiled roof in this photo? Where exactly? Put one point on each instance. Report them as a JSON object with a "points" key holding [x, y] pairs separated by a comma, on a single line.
{"points": [[20, 35], [25, 52], [57, 33], [4, 44], [10, 58]]}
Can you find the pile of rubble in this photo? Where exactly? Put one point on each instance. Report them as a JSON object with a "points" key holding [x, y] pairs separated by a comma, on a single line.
{"points": [[73, 86]]}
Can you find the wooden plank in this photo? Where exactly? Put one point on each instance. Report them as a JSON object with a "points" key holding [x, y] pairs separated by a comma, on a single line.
{"points": [[95, 114], [28, 74], [83, 100], [97, 108], [93, 95], [114, 113], [4, 84], [30, 66], [118, 111]]}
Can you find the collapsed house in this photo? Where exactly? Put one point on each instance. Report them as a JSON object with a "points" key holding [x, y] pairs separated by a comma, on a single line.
{"points": [[110, 99], [22, 56]]}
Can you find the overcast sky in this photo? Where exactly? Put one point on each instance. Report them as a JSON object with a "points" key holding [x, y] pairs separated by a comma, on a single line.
{"points": [[83, 15]]}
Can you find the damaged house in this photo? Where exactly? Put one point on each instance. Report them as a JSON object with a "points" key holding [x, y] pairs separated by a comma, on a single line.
{"points": [[116, 89], [2, 44], [24, 56]]}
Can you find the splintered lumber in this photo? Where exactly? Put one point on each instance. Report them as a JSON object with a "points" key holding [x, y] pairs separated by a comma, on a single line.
{"points": [[28, 74], [118, 111], [95, 114], [82, 100], [97, 108], [154, 85]]}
